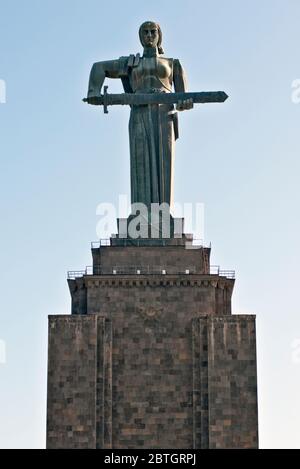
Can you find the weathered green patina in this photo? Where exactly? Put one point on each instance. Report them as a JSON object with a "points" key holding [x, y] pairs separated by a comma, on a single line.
{"points": [[153, 124]]}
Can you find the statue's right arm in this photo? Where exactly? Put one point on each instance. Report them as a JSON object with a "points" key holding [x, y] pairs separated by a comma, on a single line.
{"points": [[101, 70]]}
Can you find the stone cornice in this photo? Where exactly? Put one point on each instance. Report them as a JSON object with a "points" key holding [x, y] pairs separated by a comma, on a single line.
{"points": [[228, 318], [190, 280]]}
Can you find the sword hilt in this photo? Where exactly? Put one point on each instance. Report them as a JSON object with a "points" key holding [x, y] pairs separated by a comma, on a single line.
{"points": [[105, 109]]}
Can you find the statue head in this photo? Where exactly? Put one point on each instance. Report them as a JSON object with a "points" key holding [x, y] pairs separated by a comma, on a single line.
{"points": [[151, 36]]}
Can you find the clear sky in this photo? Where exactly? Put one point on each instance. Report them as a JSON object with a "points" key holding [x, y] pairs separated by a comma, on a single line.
{"points": [[60, 158]]}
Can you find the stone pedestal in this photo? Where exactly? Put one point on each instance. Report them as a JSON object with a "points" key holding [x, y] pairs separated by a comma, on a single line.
{"points": [[151, 356]]}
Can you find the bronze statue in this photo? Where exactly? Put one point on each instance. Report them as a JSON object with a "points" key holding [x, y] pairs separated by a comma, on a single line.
{"points": [[153, 124]]}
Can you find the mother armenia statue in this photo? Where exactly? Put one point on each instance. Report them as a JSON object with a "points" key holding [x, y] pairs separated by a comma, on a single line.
{"points": [[153, 126]]}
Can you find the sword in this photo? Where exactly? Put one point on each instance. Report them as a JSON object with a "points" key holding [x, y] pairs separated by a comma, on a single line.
{"points": [[142, 99]]}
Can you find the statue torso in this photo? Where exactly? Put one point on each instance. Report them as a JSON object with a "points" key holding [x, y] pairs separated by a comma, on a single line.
{"points": [[152, 74]]}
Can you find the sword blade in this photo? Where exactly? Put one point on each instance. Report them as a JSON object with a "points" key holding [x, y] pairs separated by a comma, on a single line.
{"points": [[142, 99]]}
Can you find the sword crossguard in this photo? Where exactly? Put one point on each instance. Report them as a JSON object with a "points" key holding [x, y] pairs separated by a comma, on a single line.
{"points": [[105, 109]]}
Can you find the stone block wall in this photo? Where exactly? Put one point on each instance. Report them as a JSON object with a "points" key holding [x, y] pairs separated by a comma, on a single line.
{"points": [[172, 259], [225, 382], [145, 382], [79, 403], [152, 360]]}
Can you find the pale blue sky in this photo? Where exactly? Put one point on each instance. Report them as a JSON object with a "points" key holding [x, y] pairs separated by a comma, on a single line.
{"points": [[60, 158]]}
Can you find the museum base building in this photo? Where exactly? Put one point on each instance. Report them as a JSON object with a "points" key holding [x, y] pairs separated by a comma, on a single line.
{"points": [[152, 356]]}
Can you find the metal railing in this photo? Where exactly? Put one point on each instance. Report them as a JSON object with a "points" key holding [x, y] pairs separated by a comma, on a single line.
{"points": [[147, 270], [216, 270], [101, 242], [143, 270], [140, 242], [73, 274]]}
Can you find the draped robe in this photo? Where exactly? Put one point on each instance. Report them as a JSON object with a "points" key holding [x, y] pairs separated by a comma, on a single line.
{"points": [[152, 128]]}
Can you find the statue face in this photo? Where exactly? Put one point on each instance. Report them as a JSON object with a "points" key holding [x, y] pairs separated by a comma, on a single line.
{"points": [[149, 35]]}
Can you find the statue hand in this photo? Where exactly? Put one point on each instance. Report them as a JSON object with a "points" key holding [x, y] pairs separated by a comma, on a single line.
{"points": [[185, 105]]}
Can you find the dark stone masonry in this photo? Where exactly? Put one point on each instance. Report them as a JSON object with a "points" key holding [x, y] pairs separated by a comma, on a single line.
{"points": [[151, 356]]}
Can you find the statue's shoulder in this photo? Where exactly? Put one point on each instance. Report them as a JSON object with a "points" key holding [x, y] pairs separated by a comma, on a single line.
{"points": [[129, 61], [176, 63]]}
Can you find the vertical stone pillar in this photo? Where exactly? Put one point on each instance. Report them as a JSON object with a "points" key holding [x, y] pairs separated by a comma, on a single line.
{"points": [[224, 382], [79, 406]]}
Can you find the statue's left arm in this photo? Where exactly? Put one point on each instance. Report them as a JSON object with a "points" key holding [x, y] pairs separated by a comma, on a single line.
{"points": [[180, 85], [179, 77]]}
